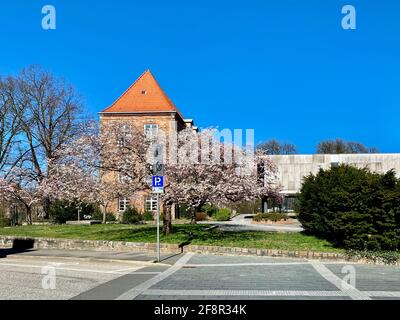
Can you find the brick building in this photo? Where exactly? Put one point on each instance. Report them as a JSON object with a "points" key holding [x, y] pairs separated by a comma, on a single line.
{"points": [[147, 107]]}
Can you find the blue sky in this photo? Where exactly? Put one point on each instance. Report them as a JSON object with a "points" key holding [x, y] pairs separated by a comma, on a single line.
{"points": [[285, 68]]}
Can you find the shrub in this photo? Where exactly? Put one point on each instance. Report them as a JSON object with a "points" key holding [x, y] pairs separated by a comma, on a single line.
{"points": [[209, 209], [148, 216], [131, 216], [222, 215], [386, 257], [201, 216], [4, 220], [352, 207], [183, 211], [271, 216], [98, 215], [62, 211]]}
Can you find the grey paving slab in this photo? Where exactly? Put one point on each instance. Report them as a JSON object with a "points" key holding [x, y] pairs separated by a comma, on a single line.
{"points": [[101, 255], [225, 259], [282, 277], [371, 277], [210, 277], [112, 289], [206, 297]]}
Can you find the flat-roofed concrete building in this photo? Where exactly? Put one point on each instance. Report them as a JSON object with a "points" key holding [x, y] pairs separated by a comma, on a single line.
{"points": [[293, 168]]}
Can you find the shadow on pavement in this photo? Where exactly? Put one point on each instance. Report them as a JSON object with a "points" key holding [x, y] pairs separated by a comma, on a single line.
{"points": [[171, 257], [19, 246]]}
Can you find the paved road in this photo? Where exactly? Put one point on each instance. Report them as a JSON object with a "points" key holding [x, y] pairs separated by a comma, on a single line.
{"points": [[189, 276], [242, 222]]}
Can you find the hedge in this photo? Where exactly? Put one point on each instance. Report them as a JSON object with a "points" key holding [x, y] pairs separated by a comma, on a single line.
{"points": [[352, 208]]}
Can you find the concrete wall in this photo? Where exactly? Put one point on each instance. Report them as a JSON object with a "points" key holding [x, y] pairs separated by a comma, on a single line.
{"points": [[292, 168]]}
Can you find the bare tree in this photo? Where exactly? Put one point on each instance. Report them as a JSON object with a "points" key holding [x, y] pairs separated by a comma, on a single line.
{"points": [[340, 146], [45, 110], [10, 126], [274, 147], [48, 110]]}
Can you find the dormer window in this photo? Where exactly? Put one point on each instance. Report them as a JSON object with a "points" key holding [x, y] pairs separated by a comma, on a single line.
{"points": [[144, 91]]}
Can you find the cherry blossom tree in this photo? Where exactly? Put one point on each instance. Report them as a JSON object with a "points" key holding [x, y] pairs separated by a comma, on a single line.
{"points": [[20, 187], [208, 171], [99, 166]]}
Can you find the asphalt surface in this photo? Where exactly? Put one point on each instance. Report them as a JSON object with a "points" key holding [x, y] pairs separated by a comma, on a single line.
{"points": [[244, 222], [88, 275]]}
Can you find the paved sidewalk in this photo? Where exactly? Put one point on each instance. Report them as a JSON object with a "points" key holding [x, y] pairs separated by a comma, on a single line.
{"points": [[87, 275], [243, 223], [134, 257]]}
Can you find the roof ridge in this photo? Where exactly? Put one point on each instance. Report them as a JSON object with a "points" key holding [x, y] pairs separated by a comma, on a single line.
{"points": [[120, 97], [170, 102], [164, 103]]}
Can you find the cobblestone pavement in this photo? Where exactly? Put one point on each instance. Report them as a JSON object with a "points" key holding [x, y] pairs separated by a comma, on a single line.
{"points": [[195, 276]]}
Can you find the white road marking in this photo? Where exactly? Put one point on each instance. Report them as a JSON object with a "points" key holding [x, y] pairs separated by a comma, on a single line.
{"points": [[246, 264], [387, 294], [339, 283], [134, 292], [249, 293], [265, 293], [69, 269]]}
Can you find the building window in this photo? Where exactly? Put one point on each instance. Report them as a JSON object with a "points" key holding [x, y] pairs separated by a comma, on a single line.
{"points": [[150, 129], [121, 142], [334, 164], [125, 132], [150, 204], [144, 91], [289, 203], [123, 203]]}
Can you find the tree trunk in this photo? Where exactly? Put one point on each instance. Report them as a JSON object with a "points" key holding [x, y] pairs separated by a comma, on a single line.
{"points": [[193, 216], [167, 221], [46, 208], [29, 215]]}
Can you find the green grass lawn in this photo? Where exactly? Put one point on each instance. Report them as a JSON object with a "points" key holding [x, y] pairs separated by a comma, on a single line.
{"points": [[147, 233]]}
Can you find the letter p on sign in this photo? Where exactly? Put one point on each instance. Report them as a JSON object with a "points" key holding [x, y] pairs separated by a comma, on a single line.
{"points": [[158, 182]]}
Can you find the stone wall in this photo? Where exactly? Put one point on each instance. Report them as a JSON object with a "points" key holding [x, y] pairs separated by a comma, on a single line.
{"points": [[292, 168], [120, 246]]}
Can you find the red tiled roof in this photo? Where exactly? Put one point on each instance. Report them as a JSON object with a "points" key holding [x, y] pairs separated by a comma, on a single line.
{"points": [[144, 95]]}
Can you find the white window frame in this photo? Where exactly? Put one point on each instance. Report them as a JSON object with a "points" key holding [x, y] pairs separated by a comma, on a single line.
{"points": [[151, 202], [123, 203], [150, 129], [125, 132]]}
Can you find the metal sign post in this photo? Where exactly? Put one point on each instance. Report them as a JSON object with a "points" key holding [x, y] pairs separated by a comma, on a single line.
{"points": [[158, 227], [157, 184]]}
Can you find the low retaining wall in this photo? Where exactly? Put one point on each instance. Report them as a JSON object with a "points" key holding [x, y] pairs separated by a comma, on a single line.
{"points": [[99, 245]]}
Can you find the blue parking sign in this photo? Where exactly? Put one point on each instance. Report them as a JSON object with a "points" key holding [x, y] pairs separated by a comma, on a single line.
{"points": [[157, 182]]}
